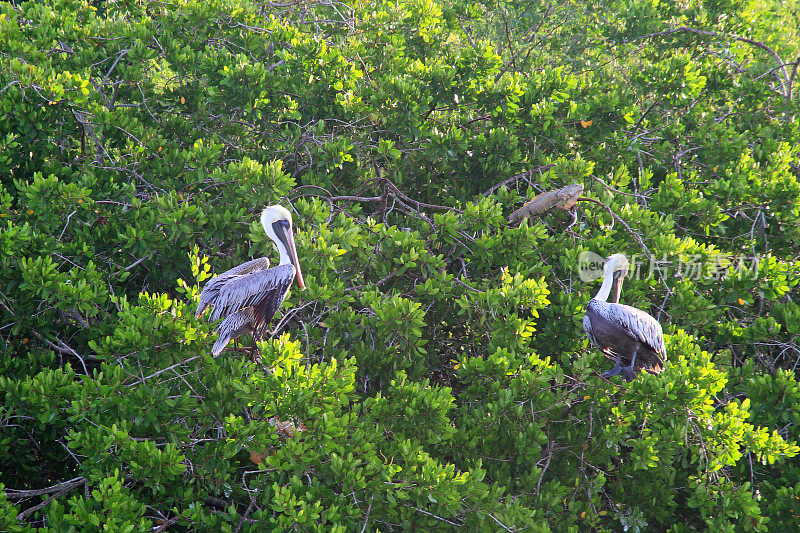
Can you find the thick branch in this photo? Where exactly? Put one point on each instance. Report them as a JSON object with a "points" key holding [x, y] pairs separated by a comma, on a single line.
{"points": [[390, 189], [59, 490]]}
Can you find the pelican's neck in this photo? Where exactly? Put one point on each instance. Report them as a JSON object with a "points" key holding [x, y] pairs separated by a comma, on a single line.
{"points": [[282, 251], [605, 288]]}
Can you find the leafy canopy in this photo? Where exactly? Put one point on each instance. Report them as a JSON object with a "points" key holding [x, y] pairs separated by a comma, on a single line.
{"points": [[434, 375]]}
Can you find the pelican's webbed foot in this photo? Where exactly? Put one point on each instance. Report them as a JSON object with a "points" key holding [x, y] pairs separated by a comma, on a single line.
{"points": [[628, 373], [613, 372]]}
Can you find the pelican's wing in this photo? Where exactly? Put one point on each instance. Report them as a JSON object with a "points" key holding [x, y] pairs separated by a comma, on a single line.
{"points": [[261, 263], [213, 286], [264, 290], [639, 325], [232, 327], [587, 328]]}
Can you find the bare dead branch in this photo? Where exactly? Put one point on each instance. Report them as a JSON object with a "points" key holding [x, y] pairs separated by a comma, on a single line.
{"points": [[67, 224], [59, 490], [121, 54], [527, 175], [136, 263], [423, 511], [15, 494], [390, 189], [784, 80], [154, 374]]}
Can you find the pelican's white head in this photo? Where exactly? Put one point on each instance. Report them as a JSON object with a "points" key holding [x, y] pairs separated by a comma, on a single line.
{"points": [[274, 213], [614, 264], [614, 271], [277, 222]]}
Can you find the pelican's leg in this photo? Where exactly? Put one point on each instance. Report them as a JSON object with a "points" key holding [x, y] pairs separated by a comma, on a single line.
{"points": [[254, 355], [616, 370], [628, 372]]}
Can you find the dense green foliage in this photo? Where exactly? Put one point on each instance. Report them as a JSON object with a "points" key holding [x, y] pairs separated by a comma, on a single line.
{"points": [[434, 374]]}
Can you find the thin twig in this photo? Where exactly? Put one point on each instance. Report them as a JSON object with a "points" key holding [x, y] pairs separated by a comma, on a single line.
{"points": [[612, 189], [598, 202], [499, 522], [366, 519], [166, 523], [423, 511], [154, 374], [792, 76], [285, 318], [4, 89], [522, 175], [62, 349], [67, 224], [546, 462], [784, 81]]}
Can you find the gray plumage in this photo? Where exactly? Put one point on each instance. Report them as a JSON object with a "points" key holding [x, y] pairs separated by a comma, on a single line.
{"points": [[238, 324], [246, 297], [618, 329], [623, 333], [253, 290], [213, 287]]}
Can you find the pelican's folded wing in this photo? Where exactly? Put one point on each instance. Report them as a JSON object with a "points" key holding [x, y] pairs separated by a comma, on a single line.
{"points": [[641, 326], [214, 286], [264, 290], [233, 326]]}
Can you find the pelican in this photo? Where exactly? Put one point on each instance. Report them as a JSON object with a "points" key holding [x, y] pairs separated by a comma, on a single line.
{"points": [[621, 330], [248, 295]]}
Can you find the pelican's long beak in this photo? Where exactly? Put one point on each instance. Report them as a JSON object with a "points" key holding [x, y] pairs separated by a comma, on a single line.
{"points": [[619, 275], [293, 257]]}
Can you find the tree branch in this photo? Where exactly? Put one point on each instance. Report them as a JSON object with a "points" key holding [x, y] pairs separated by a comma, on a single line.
{"points": [[785, 81], [59, 490], [527, 175]]}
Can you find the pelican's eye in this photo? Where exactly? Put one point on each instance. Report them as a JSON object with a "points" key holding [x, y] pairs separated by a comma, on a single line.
{"points": [[285, 223]]}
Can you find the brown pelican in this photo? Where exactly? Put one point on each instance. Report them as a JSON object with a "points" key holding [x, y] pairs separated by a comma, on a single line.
{"points": [[621, 331], [248, 295]]}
